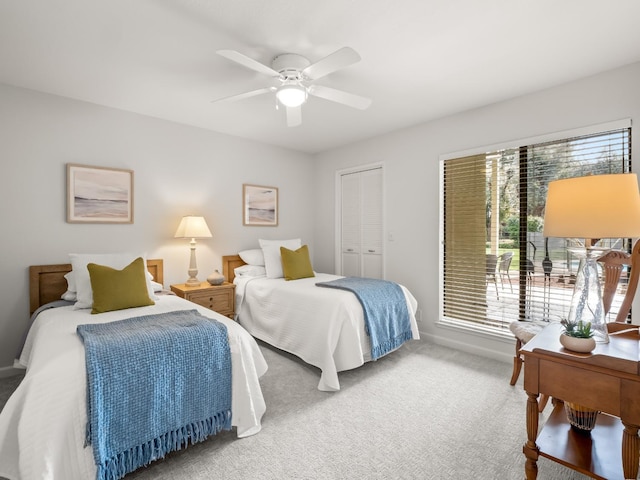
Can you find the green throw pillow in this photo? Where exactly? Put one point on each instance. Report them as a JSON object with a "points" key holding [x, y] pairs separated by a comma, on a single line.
{"points": [[119, 289], [296, 263]]}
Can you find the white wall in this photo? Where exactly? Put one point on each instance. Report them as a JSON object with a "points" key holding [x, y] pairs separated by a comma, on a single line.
{"points": [[183, 170], [411, 163], [179, 170]]}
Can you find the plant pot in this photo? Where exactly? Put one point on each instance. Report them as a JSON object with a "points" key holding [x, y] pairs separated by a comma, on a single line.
{"points": [[582, 345], [581, 418]]}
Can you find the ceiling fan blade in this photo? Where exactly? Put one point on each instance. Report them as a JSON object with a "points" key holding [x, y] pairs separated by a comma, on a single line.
{"points": [[339, 59], [339, 96], [242, 96], [248, 62], [294, 116]]}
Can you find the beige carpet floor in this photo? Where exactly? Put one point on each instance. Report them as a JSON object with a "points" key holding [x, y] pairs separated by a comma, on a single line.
{"points": [[423, 412]]}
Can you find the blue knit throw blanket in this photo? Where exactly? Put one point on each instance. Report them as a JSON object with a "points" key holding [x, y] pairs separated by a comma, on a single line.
{"points": [[155, 384], [386, 316]]}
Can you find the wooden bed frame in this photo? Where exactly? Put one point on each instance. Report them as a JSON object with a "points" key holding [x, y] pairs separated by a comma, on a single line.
{"points": [[229, 263], [47, 282]]}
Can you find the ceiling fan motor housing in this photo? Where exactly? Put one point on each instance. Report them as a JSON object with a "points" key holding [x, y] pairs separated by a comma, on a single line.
{"points": [[290, 65]]}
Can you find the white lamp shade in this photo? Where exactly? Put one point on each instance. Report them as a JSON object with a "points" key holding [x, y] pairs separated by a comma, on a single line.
{"points": [[292, 95], [595, 206], [193, 227]]}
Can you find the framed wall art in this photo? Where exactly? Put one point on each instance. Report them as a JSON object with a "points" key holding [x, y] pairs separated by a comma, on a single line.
{"points": [[99, 194], [259, 205]]}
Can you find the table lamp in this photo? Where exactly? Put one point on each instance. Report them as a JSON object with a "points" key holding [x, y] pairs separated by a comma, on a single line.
{"points": [[193, 227], [592, 208]]}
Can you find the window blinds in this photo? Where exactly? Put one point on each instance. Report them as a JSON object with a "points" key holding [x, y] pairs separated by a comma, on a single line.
{"points": [[493, 203]]}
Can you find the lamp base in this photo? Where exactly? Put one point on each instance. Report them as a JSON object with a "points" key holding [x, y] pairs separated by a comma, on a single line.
{"points": [[586, 302], [193, 268]]}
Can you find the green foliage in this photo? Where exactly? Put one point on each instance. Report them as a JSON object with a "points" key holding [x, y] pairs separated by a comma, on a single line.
{"points": [[511, 226], [534, 224], [577, 329], [507, 244]]}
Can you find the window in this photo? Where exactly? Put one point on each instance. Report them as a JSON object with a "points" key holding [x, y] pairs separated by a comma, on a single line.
{"points": [[496, 266]]}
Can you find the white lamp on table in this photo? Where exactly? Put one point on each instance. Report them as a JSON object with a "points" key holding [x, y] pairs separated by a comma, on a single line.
{"points": [[592, 208], [193, 227]]}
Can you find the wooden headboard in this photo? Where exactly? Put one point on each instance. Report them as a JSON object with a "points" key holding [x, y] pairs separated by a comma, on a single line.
{"points": [[229, 263], [47, 282]]}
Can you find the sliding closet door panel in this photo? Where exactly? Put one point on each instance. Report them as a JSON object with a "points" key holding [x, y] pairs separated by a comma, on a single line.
{"points": [[371, 218], [351, 225], [362, 224], [350, 264], [372, 266]]}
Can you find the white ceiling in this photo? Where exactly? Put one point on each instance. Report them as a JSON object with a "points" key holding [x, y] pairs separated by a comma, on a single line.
{"points": [[421, 59]]}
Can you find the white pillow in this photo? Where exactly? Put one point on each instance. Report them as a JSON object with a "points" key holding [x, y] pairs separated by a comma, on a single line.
{"points": [[250, 271], [272, 258], [79, 263], [252, 257], [71, 295], [71, 281]]}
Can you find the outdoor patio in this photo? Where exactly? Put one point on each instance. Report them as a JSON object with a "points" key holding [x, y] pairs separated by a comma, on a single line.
{"points": [[546, 298]]}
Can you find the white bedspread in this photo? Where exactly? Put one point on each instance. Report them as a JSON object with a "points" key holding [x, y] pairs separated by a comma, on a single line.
{"points": [[42, 426], [322, 326]]}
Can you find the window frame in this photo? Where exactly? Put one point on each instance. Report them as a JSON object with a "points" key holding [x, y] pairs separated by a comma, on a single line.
{"points": [[467, 326]]}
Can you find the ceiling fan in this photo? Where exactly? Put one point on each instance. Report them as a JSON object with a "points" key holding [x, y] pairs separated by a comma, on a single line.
{"points": [[295, 75]]}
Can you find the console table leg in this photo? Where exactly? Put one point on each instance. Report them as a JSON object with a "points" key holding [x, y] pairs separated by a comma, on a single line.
{"points": [[530, 448], [630, 451]]}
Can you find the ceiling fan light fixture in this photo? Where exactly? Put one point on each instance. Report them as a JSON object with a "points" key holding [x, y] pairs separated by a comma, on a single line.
{"points": [[292, 95], [296, 75]]}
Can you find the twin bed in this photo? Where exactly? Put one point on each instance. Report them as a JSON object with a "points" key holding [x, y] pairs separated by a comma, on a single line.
{"points": [[324, 327], [43, 426]]}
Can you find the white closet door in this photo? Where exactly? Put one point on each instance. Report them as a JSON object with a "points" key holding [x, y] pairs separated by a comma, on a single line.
{"points": [[371, 223], [362, 224], [350, 221]]}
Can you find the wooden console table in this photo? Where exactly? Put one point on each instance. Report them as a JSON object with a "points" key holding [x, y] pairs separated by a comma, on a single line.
{"points": [[608, 380]]}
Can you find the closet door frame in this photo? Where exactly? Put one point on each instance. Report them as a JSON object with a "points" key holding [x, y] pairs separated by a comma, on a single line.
{"points": [[338, 211]]}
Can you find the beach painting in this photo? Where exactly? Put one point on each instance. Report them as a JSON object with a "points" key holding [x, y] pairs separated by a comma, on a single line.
{"points": [[99, 194], [260, 205]]}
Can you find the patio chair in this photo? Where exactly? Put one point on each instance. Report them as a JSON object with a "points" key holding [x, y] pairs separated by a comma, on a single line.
{"points": [[613, 263], [504, 264], [492, 263]]}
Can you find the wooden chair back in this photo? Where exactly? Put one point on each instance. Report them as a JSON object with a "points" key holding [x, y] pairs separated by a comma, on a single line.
{"points": [[613, 263]]}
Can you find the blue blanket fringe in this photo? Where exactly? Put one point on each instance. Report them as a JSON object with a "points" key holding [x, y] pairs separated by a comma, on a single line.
{"points": [[386, 316], [141, 455], [147, 379]]}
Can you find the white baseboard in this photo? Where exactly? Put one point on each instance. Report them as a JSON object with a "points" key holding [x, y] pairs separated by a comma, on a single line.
{"points": [[469, 348]]}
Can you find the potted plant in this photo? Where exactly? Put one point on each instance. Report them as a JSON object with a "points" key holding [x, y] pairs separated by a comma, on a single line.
{"points": [[577, 336]]}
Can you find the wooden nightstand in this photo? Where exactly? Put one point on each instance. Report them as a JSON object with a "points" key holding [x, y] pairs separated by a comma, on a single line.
{"points": [[220, 298]]}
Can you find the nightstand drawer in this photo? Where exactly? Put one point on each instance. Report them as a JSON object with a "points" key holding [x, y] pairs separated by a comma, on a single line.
{"points": [[219, 298]]}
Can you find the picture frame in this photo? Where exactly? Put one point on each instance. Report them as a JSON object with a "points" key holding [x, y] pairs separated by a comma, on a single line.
{"points": [[259, 205], [99, 194]]}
